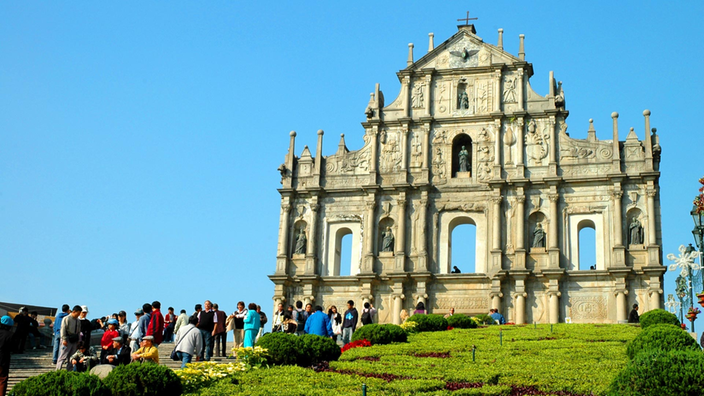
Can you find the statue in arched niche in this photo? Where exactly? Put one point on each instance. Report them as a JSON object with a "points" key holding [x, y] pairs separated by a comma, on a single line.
{"points": [[538, 237], [387, 242], [635, 232], [464, 159], [301, 241]]}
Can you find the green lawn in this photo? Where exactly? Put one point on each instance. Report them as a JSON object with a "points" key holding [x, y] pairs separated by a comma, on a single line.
{"points": [[571, 360]]}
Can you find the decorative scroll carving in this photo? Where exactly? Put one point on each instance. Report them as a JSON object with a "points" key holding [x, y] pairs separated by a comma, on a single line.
{"points": [[466, 207], [351, 163], [581, 170], [462, 303], [588, 308], [341, 218]]}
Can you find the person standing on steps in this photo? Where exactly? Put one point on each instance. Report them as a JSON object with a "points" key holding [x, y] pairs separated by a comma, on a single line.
{"points": [[6, 347]]}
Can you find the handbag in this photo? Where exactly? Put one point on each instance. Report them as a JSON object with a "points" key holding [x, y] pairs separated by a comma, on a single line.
{"points": [[174, 354]]}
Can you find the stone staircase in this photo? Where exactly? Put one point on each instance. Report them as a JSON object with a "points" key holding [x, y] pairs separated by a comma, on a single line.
{"points": [[38, 361]]}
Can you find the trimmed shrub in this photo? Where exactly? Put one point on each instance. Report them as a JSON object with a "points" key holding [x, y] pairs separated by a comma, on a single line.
{"points": [[657, 372], [485, 319], [306, 350], [380, 334], [315, 349], [62, 383], [432, 322], [282, 347], [658, 316], [664, 337], [460, 321], [143, 379]]}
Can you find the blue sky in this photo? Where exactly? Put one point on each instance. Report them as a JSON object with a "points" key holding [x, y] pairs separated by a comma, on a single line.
{"points": [[139, 141]]}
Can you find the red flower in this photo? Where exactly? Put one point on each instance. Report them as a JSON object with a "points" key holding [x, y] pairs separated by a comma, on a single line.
{"points": [[683, 326], [450, 327], [356, 344]]}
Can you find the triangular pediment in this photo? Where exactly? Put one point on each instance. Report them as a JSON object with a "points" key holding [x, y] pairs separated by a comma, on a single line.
{"points": [[463, 50]]}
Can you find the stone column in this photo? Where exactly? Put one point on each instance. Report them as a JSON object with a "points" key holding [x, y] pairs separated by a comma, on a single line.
{"points": [[521, 308], [618, 223], [282, 254], [554, 297], [428, 90], [496, 299], [652, 238], [520, 222], [400, 241], [496, 228], [368, 263], [621, 306], [374, 149], [520, 166], [519, 89], [426, 148], [404, 148], [407, 96], [648, 142], [398, 306], [311, 249], [616, 157], [497, 149], [497, 89], [422, 237], [552, 229], [654, 298], [552, 165]]}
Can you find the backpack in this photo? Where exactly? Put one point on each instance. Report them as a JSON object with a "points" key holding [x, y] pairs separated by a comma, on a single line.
{"points": [[366, 317], [300, 320]]}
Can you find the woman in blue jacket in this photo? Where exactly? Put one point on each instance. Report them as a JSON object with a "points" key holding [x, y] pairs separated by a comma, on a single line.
{"points": [[251, 326]]}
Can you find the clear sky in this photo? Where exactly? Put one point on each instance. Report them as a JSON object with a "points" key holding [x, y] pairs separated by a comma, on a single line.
{"points": [[139, 141]]}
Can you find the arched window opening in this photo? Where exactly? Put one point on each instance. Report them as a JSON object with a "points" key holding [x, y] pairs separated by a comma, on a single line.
{"points": [[343, 254], [587, 246], [461, 155], [463, 243]]}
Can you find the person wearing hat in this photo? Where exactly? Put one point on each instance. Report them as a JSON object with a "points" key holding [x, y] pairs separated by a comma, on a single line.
{"points": [[86, 326], [124, 325], [6, 347], [70, 334], [147, 352], [135, 331], [85, 358], [118, 353], [108, 336], [22, 324]]}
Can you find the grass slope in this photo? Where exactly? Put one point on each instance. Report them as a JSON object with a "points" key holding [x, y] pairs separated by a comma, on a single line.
{"points": [[571, 360]]}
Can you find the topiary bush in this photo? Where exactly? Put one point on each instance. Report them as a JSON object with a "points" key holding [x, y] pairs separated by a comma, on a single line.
{"points": [[432, 322], [315, 349], [460, 321], [306, 350], [143, 379], [62, 383], [282, 348], [664, 337], [657, 372], [485, 319], [658, 316], [380, 334]]}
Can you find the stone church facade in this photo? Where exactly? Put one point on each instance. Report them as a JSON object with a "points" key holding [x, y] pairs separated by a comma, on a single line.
{"points": [[468, 141]]}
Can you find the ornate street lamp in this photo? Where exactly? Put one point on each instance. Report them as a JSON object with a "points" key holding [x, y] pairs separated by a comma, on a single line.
{"points": [[698, 233], [672, 305], [685, 261], [681, 291]]}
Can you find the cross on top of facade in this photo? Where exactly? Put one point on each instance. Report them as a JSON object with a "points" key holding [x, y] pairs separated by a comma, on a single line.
{"points": [[467, 19]]}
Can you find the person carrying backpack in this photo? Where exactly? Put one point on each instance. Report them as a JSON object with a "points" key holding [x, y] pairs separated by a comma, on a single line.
{"points": [[368, 314]]}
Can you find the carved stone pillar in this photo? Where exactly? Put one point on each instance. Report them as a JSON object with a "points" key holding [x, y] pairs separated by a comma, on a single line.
{"points": [[497, 149], [618, 223], [652, 238], [520, 166], [374, 149], [648, 142], [616, 156], [404, 148], [311, 249], [407, 96], [422, 228], [369, 235], [519, 89], [654, 294], [497, 93], [282, 256], [519, 261], [496, 222], [398, 306], [554, 303], [496, 299], [521, 308], [621, 306], [401, 234], [426, 149], [428, 90], [552, 165], [552, 228]]}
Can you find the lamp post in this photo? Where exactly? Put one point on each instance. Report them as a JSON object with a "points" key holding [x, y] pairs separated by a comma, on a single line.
{"points": [[685, 262], [698, 233], [681, 291], [672, 305]]}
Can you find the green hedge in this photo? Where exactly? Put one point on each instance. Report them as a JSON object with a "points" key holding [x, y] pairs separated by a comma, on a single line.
{"points": [[65, 383], [380, 334], [288, 349], [485, 319], [460, 321], [432, 322], [664, 337], [658, 316], [143, 379], [657, 373]]}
